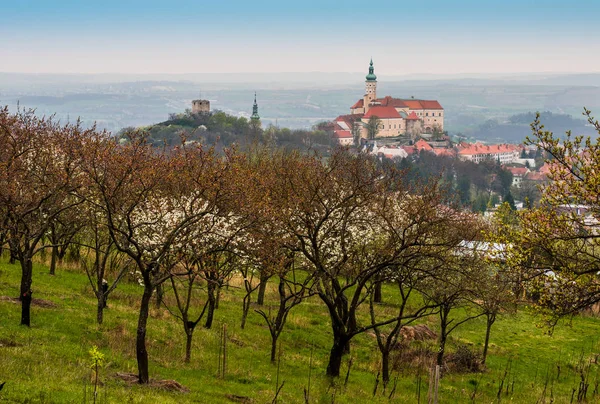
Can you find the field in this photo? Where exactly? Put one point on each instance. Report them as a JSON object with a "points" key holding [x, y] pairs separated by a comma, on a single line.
{"points": [[50, 362]]}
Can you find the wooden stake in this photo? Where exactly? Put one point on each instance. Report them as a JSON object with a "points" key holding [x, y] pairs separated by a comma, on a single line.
{"points": [[224, 348]]}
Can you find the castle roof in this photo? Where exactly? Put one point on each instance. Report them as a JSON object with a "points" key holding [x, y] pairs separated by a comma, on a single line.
{"points": [[371, 76], [412, 117], [349, 117], [422, 104], [382, 112], [390, 101], [407, 103], [359, 104]]}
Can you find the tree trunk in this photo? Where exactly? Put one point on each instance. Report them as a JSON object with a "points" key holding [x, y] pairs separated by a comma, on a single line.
{"points": [[211, 307], [274, 338], [25, 297], [218, 297], [335, 356], [440, 355], [490, 321], [377, 294], [13, 257], [140, 342], [53, 260], [100, 308], [262, 287], [159, 296], [385, 367], [189, 332], [443, 335], [245, 309]]}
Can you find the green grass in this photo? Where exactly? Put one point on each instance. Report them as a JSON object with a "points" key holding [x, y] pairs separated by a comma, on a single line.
{"points": [[49, 362]]}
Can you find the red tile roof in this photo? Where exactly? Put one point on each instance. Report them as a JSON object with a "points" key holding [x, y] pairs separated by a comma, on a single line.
{"points": [[545, 169], [444, 152], [420, 104], [407, 103], [391, 102], [478, 148], [534, 176], [423, 145], [518, 170], [349, 117], [382, 112], [430, 104], [412, 117], [408, 149], [359, 104]]}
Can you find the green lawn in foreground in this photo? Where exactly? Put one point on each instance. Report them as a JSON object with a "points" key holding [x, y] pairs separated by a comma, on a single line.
{"points": [[49, 362]]}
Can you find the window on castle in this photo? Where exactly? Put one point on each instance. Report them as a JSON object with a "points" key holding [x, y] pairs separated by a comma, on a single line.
{"points": [[426, 113]]}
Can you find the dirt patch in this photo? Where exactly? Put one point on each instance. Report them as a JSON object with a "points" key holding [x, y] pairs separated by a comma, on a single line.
{"points": [[238, 399], [34, 302], [419, 332], [8, 343], [169, 385], [237, 341]]}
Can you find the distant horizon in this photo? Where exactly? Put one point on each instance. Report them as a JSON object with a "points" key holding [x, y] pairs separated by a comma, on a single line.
{"points": [[187, 76], [269, 36]]}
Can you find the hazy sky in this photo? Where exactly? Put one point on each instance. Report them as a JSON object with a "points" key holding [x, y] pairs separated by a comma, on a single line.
{"points": [[198, 36]]}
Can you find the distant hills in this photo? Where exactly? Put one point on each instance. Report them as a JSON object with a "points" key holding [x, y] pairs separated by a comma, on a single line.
{"points": [[517, 127], [300, 100]]}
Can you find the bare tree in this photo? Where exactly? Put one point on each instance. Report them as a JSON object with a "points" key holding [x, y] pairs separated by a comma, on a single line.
{"points": [[151, 201], [38, 177]]}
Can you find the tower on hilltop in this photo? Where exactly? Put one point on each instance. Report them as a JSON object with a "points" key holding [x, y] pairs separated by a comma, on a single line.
{"points": [[200, 106], [255, 116], [370, 86]]}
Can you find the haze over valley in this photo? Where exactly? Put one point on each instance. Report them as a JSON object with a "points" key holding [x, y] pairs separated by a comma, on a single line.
{"points": [[477, 105]]}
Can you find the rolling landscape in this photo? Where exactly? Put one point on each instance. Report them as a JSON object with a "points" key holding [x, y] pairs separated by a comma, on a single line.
{"points": [[299, 202]]}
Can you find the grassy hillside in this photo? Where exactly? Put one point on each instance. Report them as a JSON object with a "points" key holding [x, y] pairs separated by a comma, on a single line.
{"points": [[50, 363]]}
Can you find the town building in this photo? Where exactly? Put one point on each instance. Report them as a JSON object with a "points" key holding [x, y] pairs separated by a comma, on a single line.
{"points": [[477, 152], [519, 174]]}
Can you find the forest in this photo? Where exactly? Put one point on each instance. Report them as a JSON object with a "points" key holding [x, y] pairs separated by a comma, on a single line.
{"points": [[385, 265]]}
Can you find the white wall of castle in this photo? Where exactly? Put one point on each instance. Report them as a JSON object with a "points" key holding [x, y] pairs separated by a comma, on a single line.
{"points": [[432, 118], [391, 127]]}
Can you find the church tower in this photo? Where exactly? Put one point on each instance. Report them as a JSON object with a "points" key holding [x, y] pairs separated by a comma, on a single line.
{"points": [[370, 87], [255, 116]]}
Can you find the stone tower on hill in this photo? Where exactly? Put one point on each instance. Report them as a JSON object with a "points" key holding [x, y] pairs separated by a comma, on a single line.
{"points": [[200, 106]]}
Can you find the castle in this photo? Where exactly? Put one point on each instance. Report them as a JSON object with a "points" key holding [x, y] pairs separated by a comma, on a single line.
{"points": [[395, 116]]}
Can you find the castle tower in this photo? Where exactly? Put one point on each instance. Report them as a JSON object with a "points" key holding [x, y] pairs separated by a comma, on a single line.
{"points": [[255, 116], [370, 87], [200, 106]]}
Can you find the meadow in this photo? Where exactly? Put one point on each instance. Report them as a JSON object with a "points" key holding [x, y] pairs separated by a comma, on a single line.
{"points": [[50, 362]]}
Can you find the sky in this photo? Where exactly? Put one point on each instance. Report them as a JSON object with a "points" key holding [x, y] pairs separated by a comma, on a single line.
{"points": [[244, 36]]}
